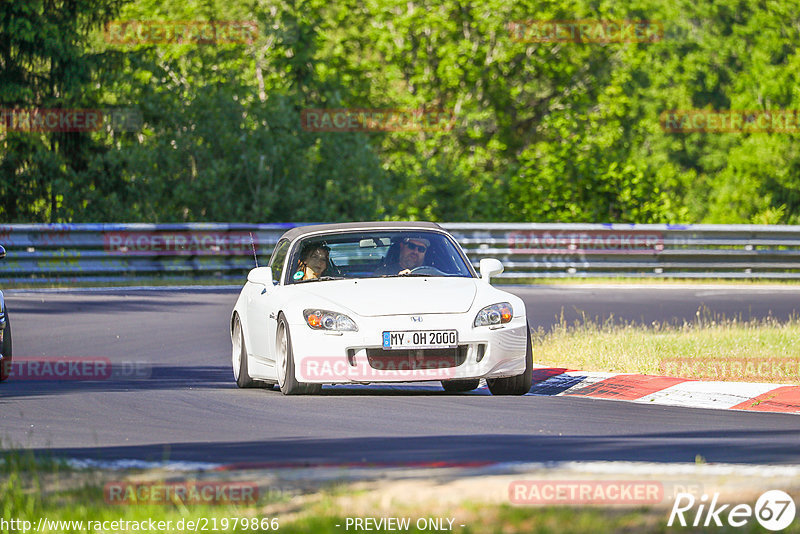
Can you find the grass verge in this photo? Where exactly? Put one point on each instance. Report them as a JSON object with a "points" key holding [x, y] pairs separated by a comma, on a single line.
{"points": [[33, 490], [710, 347]]}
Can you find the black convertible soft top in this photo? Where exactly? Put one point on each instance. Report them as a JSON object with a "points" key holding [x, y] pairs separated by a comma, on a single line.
{"points": [[300, 231]]}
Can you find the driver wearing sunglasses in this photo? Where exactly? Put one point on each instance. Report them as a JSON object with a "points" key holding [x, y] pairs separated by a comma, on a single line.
{"points": [[411, 255]]}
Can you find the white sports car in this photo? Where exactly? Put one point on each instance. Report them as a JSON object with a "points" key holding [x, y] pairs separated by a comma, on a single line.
{"points": [[358, 303]]}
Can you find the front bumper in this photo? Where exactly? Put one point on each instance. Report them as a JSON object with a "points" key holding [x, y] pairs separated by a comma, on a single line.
{"points": [[358, 357]]}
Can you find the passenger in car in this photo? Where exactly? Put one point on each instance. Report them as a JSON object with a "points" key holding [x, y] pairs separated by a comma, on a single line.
{"points": [[405, 255], [313, 263]]}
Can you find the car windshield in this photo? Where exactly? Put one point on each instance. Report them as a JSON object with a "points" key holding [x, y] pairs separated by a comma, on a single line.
{"points": [[376, 254]]}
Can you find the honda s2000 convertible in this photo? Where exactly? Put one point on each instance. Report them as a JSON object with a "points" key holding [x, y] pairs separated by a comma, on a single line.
{"points": [[359, 303]]}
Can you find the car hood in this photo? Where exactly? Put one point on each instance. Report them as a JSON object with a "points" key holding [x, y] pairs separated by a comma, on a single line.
{"points": [[375, 297]]}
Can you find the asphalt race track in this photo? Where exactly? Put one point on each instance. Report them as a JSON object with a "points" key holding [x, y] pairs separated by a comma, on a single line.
{"points": [[190, 409]]}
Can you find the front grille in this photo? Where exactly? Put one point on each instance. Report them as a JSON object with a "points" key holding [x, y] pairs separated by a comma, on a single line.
{"points": [[381, 359]]}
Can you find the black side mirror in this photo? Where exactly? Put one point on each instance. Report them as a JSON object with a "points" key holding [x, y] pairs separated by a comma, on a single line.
{"points": [[2, 252]]}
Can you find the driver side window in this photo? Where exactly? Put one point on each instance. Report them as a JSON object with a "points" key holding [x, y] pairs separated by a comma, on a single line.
{"points": [[276, 261]]}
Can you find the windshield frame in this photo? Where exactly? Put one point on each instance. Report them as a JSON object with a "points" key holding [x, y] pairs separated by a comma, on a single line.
{"points": [[298, 242]]}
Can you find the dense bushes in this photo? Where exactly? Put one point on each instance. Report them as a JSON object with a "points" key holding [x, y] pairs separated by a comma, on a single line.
{"points": [[547, 131]]}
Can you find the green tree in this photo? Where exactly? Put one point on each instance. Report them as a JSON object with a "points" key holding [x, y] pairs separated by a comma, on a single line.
{"points": [[44, 64]]}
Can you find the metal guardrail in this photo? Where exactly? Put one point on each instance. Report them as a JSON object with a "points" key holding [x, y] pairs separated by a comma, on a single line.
{"points": [[67, 253], [636, 250]]}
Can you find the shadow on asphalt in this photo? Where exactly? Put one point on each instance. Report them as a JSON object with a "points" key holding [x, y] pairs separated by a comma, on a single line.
{"points": [[741, 446], [161, 378], [221, 377], [200, 378], [121, 304]]}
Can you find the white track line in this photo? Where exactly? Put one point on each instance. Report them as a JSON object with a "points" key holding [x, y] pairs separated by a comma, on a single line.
{"points": [[698, 394]]}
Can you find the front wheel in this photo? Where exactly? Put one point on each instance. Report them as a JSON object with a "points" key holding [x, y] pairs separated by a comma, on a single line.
{"points": [[287, 381], [239, 357], [5, 363], [515, 385]]}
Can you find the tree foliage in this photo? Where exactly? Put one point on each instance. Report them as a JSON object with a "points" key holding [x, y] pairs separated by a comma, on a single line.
{"points": [[543, 131]]}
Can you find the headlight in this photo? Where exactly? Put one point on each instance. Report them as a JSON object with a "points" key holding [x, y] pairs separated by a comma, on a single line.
{"points": [[328, 320], [494, 314]]}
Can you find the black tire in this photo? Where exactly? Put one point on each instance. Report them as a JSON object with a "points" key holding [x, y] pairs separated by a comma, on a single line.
{"points": [[243, 379], [459, 386], [5, 366], [290, 384], [515, 385]]}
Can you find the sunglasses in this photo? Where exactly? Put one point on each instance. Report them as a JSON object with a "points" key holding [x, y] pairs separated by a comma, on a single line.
{"points": [[412, 246]]}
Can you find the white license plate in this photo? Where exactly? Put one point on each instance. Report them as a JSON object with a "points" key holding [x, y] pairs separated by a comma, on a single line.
{"points": [[420, 339]]}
